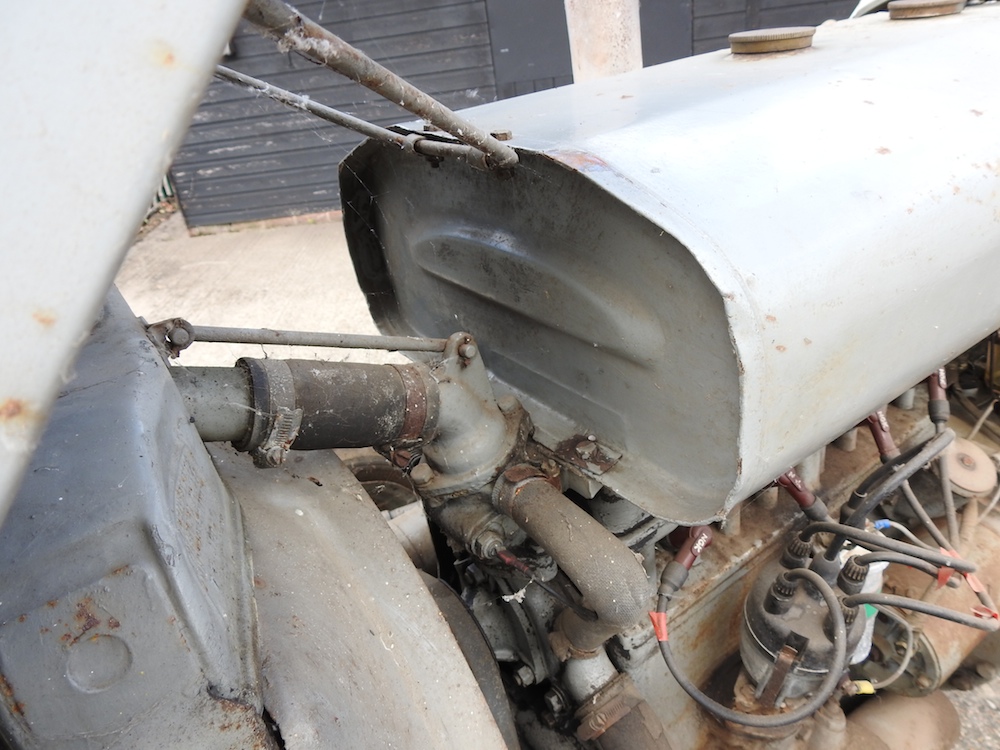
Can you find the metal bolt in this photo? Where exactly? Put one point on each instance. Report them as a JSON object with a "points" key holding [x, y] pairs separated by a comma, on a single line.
{"points": [[924, 682], [421, 474], [179, 337], [554, 701], [469, 351], [485, 545], [967, 461], [524, 676], [586, 449]]}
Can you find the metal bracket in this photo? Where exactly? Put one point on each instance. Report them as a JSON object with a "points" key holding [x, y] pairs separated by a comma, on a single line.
{"points": [[584, 452], [284, 430], [170, 336]]}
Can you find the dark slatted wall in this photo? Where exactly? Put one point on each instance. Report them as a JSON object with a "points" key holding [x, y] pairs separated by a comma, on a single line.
{"points": [[715, 20], [247, 158]]}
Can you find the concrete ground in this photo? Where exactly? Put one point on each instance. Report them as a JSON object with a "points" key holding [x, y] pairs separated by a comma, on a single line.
{"points": [[300, 277], [289, 277]]}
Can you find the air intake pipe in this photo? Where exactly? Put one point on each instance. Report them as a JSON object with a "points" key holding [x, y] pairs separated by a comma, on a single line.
{"points": [[266, 406]]}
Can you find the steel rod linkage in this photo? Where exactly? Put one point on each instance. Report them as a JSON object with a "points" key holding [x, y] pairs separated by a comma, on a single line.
{"points": [[421, 144], [293, 31]]}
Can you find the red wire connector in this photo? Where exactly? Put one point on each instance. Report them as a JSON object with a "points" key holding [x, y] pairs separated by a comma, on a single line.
{"points": [[813, 508], [693, 541]]}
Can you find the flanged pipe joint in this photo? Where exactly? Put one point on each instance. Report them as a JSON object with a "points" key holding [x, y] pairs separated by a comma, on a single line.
{"points": [[268, 406]]}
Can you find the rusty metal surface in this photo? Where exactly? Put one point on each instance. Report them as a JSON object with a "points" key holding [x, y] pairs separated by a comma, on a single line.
{"points": [[943, 645], [125, 612], [355, 652], [585, 452], [706, 616]]}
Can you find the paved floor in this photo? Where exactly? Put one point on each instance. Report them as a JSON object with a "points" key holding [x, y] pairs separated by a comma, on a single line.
{"points": [[291, 277], [300, 277]]}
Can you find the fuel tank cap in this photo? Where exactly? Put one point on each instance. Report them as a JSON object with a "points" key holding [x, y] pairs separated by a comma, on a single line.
{"points": [[899, 9], [760, 41]]}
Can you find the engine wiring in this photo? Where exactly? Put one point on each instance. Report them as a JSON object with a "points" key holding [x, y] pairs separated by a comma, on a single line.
{"points": [[988, 622], [512, 561], [826, 689], [885, 523], [903, 623], [870, 540]]}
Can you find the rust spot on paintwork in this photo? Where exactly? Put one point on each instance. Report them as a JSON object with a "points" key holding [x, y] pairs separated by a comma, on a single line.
{"points": [[120, 570], [882, 150], [315, 481], [976, 112], [770, 319], [22, 618], [84, 616], [955, 190], [578, 160], [781, 348], [238, 717], [65, 638], [45, 317], [113, 623], [259, 582], [163, 54], [8, 694], [14, 409], [51, 603], [807, 342]]}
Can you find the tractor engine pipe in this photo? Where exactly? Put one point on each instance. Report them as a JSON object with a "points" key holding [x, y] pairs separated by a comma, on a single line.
{"points": [[608, 574]]}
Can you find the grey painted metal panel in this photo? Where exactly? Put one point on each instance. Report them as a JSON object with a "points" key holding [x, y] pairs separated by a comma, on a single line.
{"points": [[818, 193], [137, 74], [355, 651], [248, 158], [126, 619]]}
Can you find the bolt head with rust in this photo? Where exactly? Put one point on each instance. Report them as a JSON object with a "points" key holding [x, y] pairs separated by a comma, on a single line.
{"points": [[422, 474], [524, 676], [554, 702], [586, 449]]}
